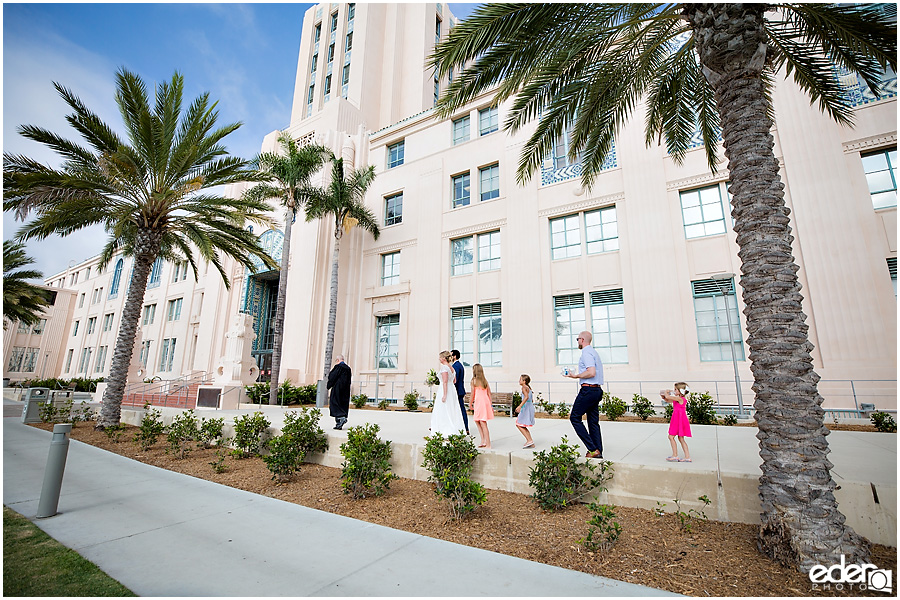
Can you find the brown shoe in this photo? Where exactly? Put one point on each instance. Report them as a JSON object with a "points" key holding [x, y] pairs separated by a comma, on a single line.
{"points": [[593, 454]]}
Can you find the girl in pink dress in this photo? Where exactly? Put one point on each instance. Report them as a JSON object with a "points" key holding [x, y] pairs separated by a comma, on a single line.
{"points": [[481, 405], [679, 426]]}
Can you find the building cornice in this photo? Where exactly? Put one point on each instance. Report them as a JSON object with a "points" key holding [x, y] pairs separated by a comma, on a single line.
{"points": [[390, 248], [582, 205], [690, 182], [871, 142], [463, 231]]}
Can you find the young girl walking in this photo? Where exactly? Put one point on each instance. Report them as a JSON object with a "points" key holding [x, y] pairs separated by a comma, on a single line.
{"points": [[526, 411], [680, 425], [481, 405]]}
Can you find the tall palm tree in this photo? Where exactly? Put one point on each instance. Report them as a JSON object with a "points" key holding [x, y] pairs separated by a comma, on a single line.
{"points": [[22, 301], [585, 67], [287, 173], [147, 190], [343, 201]]}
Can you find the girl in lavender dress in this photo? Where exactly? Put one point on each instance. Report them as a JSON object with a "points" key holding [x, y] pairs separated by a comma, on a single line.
{"points": [[679, 426], [525, 420]]}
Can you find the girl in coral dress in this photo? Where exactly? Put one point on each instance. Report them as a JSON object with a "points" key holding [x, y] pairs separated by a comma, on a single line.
{"points": [[680, 425], [481, 405]]}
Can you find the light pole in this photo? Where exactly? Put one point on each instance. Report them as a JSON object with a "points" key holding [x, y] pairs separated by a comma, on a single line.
{"points": [[720, 281]]}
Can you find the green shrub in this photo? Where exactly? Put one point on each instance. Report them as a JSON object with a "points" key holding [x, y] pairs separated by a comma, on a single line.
{"points": [[685, 519], [701, 408], [884, 422], [83, 413], [516, 401], [411, 400], [451, 464], [366, 469], [304, 428], [563, 409], [219, 465], [249, 431], [211, 431], [114, 432], [642, 407], [547, 407], [85, 384], [306, 394], [49, 412], [383, 404], [613, 407], [258, 393], [669, 409], [150, 429], [558, 479], [284, 457], [359, 400], [183, 430], [729, 420], [288, 393], [602, 531]]}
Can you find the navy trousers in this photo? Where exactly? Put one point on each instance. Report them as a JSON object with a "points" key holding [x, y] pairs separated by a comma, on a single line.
{"points": [[462, 405], [587, 402]]}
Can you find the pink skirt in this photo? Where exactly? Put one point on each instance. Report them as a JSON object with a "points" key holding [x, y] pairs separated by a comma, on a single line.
{"points": [[483, 409], [679, 425]]}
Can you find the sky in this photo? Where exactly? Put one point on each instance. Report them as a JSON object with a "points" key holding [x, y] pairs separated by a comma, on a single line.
{"points": [[244, 55]]}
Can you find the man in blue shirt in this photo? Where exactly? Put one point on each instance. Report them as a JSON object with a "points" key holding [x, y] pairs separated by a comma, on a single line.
{"points": [[590, 372], [460, 386]]}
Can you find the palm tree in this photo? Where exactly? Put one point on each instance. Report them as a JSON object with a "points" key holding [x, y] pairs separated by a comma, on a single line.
{"points": [[585, 67], [287, 173], [342, 200], [147, 190], [22, 301]]}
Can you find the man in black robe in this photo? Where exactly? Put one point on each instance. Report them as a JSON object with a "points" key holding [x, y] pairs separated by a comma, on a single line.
{"points": [[339, 384]]}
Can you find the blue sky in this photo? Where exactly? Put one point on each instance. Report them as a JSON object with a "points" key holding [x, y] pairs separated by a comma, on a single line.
{"points": [[245, 55]]}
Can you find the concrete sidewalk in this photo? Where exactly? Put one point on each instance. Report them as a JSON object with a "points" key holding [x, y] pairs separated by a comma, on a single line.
{"points": [[161, 533]]}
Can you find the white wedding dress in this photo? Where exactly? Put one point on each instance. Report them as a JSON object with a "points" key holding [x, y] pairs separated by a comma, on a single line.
{"points": [[446, 416]]}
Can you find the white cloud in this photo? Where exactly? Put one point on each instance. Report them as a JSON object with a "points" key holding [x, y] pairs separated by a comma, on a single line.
{"points": [[31, 63]]}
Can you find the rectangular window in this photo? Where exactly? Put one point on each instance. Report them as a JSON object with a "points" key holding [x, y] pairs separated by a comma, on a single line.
{"points": [[712, 320], [330, 57], [702, 212], [393, 209], [565, 237], [174, 312], [348, 42], [168, 355], [87, 273], [333, 21], [345, 76], [85, 360], [155, 273], [461, 256], [38, 328], [395, 155], [69, 359], [351, 11], [101, 359], [601, 230], [315, 63], [108, 321], [570, 321], [561, 150], [318, 33], [92, 322], [149, 314], [16, 359], [23, 328], [390, 268], [892, 270], [608, 324], [311, 95], [490, 182], [462, 334], [461, 130], [387, 341], [180, 271], [437, 30], [488, 120], [81, 300], [145, 352], [489, 251], [881, 175], [461, 190], [75, 328], [327, 85], [490, 335], [30, 361], [437, 89]]}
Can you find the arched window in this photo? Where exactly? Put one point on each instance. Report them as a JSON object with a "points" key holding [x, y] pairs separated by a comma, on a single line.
{"points": [[155, 273], [117, 277]]}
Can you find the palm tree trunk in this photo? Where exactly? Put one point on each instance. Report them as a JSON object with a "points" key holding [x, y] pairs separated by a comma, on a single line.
{"points": [[332, 310], [800, 521], [146, 250], [279, 309]]}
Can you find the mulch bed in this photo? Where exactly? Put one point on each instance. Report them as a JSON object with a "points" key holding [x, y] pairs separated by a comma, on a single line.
{"points": [[712, 559]]}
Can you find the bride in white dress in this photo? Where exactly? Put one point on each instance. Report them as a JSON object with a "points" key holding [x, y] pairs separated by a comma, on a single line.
{"points": [[446, 415]]}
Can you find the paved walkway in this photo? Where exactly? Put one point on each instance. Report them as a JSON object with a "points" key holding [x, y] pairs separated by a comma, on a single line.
{"points": [[165, 534]]}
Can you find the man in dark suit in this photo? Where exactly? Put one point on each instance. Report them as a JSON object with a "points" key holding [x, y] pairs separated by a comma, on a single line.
{"points": [[460, 386], [339, 384]]}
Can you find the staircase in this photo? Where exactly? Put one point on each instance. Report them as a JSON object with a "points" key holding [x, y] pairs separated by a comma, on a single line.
{"points": [[174, 393]]}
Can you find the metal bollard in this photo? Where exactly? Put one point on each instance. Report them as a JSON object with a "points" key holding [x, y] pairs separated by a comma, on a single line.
{"points": [[53, 474]]}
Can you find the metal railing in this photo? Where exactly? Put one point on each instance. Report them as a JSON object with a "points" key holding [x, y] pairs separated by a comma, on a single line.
{"points": [[844, 397], [165, 391]]}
